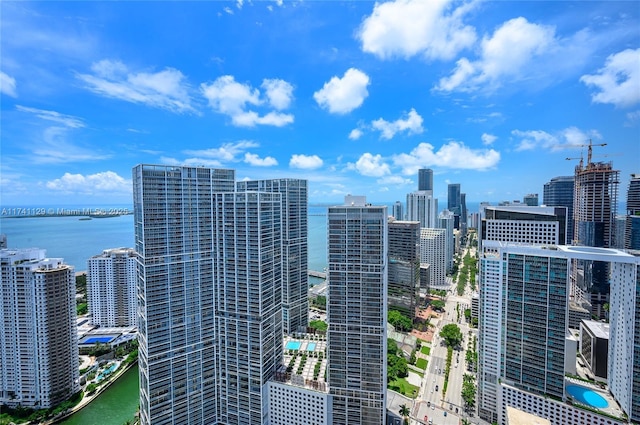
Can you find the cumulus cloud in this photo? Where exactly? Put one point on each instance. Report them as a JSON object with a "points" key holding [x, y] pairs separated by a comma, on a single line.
{"points": [[451, 155], [343, 95], [618, 82], [227, 152], [92, 184], [370, 165], [166, 89], [395, 180], [509, 54], [306, 162], [412, 124], [488, 139], [405, 28], [229, 97], [355, 134], [567, 138], [8, 85], [253, 159]]}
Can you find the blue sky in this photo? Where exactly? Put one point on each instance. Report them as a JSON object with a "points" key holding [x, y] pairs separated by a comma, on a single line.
{"points": [[353, 96]]}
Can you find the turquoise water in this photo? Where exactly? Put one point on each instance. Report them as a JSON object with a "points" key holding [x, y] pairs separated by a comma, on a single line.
{"points": [[116, 405], [587, 396], [311, 346], [293, 345], [108, 371]]}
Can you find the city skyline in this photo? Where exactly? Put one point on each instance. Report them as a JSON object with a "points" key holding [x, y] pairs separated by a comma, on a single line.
{"points": [[335, 93]]}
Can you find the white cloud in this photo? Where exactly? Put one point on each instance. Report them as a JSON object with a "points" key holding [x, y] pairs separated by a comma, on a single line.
{"points": [[618, 82], [104, 182], [355, 134], [405, 28], [279, 93], [395, 180], [307, 162], [370, 165], [412, 124], [488, 139], [66, 120], [508, 55], [194, 162], [632, 118], [166, 89], [451, 155], [228, 10], [229, 97], [343, 95], [8, 85], [253, 159], [53, 147], [570, 137], [227, 152]]}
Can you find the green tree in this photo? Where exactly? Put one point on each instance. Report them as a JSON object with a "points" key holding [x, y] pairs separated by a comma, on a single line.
{"points": [[451, 334], [401, 322], [318, 325], [437, 305], [404, 412]]}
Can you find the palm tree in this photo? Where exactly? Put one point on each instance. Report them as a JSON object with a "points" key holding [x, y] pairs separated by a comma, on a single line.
{"points": [[404, 411]]}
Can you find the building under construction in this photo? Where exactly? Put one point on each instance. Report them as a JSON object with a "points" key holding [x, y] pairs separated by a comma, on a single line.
{"points": [[594, 208]]}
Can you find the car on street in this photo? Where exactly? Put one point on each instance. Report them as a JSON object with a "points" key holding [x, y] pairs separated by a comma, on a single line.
{"points": [[436, 388]]}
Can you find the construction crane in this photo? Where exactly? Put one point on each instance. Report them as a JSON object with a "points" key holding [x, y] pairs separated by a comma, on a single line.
{"points": [[589, 150]]}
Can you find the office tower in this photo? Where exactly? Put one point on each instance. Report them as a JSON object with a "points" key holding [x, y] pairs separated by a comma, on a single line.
{"points": [[178, 333], [632, 227], [112, 288], [453, 202], [433, 252], [531, 199], [38, 335], [524, 352], [594, 205], [404, 266], [558, 192], [398, 211], [295, 285], [356, 311], [463, 212], [425, 179], [422, 207], [445, 221]]}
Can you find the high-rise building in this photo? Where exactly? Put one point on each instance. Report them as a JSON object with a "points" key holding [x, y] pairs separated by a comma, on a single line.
{"points": [[558, 192], [398, 211], [453, 198], [404, 266], [531, 199], [433, 252], [594, 205], [112, 288], [356, 311], [422, 207], [425, 179], [295, 301], [632, 228], [463, 212], [524, 352], [445, 221], [175, 234], [38, 335]]}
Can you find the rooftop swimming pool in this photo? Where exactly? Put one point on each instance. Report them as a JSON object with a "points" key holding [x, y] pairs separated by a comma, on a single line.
{"points": [[293, 345], [587, 396], [311, 346]]}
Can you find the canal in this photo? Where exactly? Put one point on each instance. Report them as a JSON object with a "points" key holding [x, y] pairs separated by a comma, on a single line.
{"points": [[116, 405]]}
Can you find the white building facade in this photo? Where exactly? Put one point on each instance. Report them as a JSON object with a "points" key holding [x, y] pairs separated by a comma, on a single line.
{"points": [[111, 288], [433, 251], [38, 337], [422, 207]]}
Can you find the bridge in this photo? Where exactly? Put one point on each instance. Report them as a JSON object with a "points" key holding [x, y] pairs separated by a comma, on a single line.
{"points": [[314, 273]]}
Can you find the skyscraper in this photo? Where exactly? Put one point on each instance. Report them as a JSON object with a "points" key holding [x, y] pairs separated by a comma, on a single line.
{"points": [[531, 199], [425, 179], [398, 211], [175, 235], [445, 221], [422, 207], [356, 311], [632, 228], [453, 198], [295, 301], [558, 192], [112, 288], [433, 252], [38, 334], [404, 266]]}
